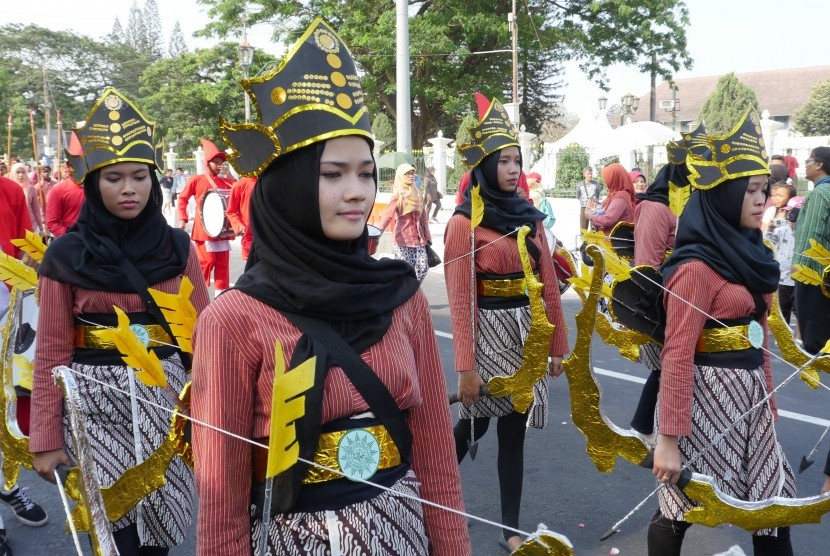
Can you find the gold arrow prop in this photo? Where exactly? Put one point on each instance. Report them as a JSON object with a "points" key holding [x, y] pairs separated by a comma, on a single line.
{"points": [[32, 244], [678, 197], [16, 274], [536, 346], [179, 312], [605, 440], [818, 252], [134, 353], [806, 275], [476, 207]]}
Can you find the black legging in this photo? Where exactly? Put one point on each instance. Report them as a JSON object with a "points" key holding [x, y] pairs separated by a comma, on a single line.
{"points": [[437, 204], [510, 430], [665, 538], [126, 540]]}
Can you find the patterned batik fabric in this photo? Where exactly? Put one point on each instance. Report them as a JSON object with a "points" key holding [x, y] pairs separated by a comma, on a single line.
{"points": [[386, 525], [123, 432], [650, 356], [748, 462], [499, 352], [416, 257]]}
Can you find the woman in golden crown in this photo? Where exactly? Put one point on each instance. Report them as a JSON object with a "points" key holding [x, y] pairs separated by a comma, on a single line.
{"points": [[120, 246], [312, 300]]}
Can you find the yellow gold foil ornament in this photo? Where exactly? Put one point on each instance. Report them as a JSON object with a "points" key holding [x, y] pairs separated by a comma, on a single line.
{"points": [[605, 440], [718, 507], [545, 543], [13, 443], [536, 346], [134, 352], [790, 350]]}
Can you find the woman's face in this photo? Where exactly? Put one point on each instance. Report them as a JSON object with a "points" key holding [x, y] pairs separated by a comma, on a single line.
{"points": [[347, 187], [20, 175], [754, 200], [639, 184], [509, 168], [125, 188], [409, 177], [780, 196]]}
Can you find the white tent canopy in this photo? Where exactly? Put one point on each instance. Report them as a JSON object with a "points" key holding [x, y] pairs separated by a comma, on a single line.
{"points": [[601, 140]]}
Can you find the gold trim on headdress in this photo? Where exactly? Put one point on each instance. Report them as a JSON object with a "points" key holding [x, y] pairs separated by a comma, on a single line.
{"points": [[313, 95], [738, 154], [115, 131], [677, 151], [494, 132]]}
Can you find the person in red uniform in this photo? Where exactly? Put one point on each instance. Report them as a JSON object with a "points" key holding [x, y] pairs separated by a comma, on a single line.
{"points": [[214, 253], [238, 213], [65, 200]]}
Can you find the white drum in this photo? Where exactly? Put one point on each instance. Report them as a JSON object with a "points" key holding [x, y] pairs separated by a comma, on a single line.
{"points": [[374, 237], [214, 220], [23, 331]]}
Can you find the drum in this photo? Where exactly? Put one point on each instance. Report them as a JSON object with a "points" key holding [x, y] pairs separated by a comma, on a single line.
{"points": [[374, 238], [212, 211], [565, 268]]}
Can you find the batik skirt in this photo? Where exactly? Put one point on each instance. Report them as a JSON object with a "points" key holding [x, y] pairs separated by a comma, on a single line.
{"points": [[123, 432], [386, 525], [499, 352], [748, 462], [416, 257]]}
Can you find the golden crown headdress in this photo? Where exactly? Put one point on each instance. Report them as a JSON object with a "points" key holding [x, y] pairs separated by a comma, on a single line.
{"points": [[494, 132], [312, 96], [738, 154], [114, 131], [689, 141]]}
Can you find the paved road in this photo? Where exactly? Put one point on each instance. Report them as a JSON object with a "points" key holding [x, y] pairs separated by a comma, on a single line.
{"points": [[562, 487]]}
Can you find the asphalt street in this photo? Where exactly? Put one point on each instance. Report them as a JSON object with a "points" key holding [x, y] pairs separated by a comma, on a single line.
{"points": [[562, 488]]}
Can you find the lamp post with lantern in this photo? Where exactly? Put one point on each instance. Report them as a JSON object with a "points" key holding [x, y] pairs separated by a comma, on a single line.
{"points": [[628, 105]]}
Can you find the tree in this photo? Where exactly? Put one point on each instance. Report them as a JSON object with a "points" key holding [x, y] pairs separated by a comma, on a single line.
{"points": [[383, 130], [136, 31], [117, 33], [462, 136], [727, 103], [188, 94], [153, 38], [814, 117], [570, 163], [176, 45], [457, 47]]}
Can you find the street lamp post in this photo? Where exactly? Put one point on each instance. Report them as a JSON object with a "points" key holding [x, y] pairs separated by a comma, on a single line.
{"points": [[246, 58], [628, 105]]}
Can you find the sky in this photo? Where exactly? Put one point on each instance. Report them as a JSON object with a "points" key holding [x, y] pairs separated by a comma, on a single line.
{"points": [[724, 35]]}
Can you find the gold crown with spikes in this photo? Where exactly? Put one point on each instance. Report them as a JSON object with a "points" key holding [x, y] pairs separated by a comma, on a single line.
{"points": [[494, 132], [115, 131], [312, 96], [738, 154]]}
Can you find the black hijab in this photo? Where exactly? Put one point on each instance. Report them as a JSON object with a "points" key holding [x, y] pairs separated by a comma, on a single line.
{"points": [[710, 230], [658, 191], [89, 255], [293, 266], [503, 211]]}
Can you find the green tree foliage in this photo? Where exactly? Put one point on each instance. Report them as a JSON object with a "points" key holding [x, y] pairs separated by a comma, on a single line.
{"points": [[188, 94], [76, 68], [727, 103], [384, 130], [177, 45], [571, 160], [452, 44], [814, 117]]}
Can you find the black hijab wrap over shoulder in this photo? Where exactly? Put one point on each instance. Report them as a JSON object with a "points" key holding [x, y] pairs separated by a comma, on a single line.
{"points": [[295, 269], [710, 230], [90, 254]]}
